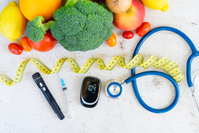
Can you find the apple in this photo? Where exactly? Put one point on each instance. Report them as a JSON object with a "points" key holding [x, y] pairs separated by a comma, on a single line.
{"points": [[132, 18]]}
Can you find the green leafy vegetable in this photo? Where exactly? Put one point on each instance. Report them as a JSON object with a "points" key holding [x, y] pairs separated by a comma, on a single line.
{"points": [[80, 25], [36, 29]]}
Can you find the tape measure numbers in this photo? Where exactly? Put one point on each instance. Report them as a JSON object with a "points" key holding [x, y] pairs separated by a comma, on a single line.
{"points": [[169, 66]]}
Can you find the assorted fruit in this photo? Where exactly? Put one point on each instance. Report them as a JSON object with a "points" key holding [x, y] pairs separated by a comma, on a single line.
{"points": [[143, 29], [79, 25], [128, 34], [118, 6], [25, 44], [33, 8], [132, 18], [112, 41], [156, 4], [15, 48], [12, 22], [46, 44]]}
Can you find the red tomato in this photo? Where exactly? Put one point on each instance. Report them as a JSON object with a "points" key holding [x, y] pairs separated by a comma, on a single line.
{"points": [[15, 48], [112, 40], [143, 29], [24, 43], [44, 45], [128, 34]]}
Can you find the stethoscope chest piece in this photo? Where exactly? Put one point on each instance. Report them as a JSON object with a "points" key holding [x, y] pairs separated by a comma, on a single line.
{"points": [[114, 88]]}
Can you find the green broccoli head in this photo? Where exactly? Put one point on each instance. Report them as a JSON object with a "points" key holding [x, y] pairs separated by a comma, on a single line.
{"points": [[83, 26], [36, 29]]}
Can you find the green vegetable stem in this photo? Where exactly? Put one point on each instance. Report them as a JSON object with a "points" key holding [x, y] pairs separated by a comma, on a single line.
{"points": [[80, 25], [36, 29]]}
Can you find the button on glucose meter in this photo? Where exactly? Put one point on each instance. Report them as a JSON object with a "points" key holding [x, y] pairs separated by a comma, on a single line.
{"points": [[90, 91]]}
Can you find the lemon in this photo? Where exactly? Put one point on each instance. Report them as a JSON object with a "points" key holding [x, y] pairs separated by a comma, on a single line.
{"points": [[12, 22], [156, 4]]}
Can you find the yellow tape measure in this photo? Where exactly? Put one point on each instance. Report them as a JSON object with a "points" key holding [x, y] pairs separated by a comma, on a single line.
{"points": [[169, 66]]}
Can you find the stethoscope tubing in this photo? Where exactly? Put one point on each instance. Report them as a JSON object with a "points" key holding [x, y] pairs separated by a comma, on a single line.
{"points": [[194, 54], [177, 90], [188, 71], [165, 28]]}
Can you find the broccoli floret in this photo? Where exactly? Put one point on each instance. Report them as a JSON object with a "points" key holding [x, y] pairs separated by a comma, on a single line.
{"points": [[82, 26], [36, 29], [69, 21]]}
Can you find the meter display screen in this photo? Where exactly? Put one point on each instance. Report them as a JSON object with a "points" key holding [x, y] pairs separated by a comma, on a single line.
{"points": [[90, 89]]}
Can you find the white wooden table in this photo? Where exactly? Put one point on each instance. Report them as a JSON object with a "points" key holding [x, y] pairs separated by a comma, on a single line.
{"points": [[24, 109]]}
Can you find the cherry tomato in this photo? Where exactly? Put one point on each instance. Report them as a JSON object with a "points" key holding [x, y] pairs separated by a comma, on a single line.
{"points": [[112, 40], [24, 43], [128, 34], [15, 48], [143, 29], [44, 45]]}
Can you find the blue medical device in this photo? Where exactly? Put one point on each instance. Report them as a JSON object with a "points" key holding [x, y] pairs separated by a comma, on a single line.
{"points": [[134, 76]]}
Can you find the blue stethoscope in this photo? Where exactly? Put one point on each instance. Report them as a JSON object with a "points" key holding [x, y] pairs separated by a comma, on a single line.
{"points": [[134, 76]]}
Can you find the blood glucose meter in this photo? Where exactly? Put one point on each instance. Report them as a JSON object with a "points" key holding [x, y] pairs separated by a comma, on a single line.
{"points": [[90, 91]]}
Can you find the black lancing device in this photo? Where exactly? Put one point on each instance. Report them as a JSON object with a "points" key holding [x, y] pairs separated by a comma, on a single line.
{"points": [[41, 84]]}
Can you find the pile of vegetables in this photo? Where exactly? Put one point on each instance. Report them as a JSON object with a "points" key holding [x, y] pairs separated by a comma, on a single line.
{"points": [[78, 26]]}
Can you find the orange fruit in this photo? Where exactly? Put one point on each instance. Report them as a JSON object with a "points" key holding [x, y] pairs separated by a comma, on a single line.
{"points": [[112, 40], [32, 8]]}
